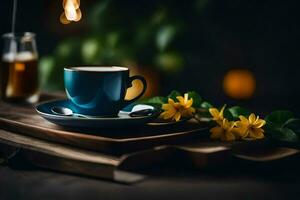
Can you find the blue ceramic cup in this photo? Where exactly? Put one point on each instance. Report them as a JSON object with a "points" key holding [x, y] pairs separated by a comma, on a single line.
{"points": [[99, 91]]}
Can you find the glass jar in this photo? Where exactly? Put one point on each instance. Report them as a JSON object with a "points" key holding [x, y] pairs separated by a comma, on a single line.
{"points": [[19, 68]]}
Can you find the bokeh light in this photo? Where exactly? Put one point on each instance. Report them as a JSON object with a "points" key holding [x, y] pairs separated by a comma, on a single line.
{"points": [[71, 12], [239, 84]]}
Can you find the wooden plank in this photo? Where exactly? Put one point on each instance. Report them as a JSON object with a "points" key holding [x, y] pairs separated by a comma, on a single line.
{"points": [[200, 154], [116, 168], [67, 159], [58, 149]]}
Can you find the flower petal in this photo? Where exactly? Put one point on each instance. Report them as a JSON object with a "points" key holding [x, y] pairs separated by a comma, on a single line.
{"points": [[257, 118], [177, 116], [248, 139], [162, 114], [259, 123], [168, 114], [214, 112], [240, 124], [167, 107], [180, 99], [222, 110], [186, 98], [220, 122], [171, 101], [227, 124], [257, 133], [252, 118], [188, 112], [189, 103], [216, 132], [228, 136], [244, 120], [177, 105], [192, 110], [241, 131]]}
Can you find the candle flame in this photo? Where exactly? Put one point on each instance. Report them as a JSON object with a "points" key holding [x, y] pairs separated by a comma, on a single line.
{"points": [[71, 12]]}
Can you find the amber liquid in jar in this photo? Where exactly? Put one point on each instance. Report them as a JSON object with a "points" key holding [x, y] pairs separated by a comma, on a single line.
{"points": [[19, 77]]}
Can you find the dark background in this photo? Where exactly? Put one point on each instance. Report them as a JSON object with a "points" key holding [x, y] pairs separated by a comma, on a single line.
{"points": [[216, 36]]}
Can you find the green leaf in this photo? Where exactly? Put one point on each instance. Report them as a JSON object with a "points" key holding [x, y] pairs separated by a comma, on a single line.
{"points": [[293, 123], [206, 105], [228, 115], [164, 36], [278, 118], [174, 94], [155, 100], [170, 62], [236, 111], [197, 100], [285, 135], [203, 111]]}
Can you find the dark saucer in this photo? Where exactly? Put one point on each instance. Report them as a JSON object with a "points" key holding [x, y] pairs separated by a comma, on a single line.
{"points": [[122, 120]]}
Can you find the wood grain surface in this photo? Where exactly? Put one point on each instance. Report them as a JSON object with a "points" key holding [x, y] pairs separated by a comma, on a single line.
{"points": [[64, 158], [120, 168]]}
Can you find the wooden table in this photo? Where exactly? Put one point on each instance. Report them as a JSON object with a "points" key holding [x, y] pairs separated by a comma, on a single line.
{"points": [[241, 181], [193, 170]]}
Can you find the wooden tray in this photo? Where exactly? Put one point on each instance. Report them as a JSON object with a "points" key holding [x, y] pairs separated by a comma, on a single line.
{"points": [[24, 119]]}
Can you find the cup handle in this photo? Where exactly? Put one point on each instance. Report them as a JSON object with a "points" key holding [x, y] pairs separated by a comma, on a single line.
{"points": [[131, 79]]}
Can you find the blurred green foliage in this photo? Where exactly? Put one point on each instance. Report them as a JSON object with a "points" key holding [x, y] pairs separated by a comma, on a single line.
{"points": [[145, 34]]}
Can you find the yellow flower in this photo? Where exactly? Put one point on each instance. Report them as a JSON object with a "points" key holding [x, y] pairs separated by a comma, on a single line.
{"points": [[224, 131], [250, 128], [217, 115], [176, 110]]}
